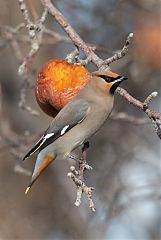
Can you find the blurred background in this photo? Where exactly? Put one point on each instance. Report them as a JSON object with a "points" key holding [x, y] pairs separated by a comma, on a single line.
{"points": [[126, 158]]}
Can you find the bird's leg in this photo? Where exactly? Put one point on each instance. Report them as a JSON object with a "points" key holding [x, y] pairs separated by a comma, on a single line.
{"points": [[74, 158], [84, 151], [83, 164], [84, 156], [82, 161]]}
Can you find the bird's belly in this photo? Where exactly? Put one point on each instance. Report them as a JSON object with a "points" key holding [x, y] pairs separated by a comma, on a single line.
{"points": [[68, 142], [80, 133]]}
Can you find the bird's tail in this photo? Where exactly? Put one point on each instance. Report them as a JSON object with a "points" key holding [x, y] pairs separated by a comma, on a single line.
{"points": [[41, 164]]}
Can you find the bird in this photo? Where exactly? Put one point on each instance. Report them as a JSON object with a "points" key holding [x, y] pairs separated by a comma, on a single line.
{"points": [[77, 121]]}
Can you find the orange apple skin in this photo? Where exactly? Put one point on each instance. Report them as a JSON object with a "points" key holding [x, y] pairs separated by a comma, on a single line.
{"points": [[57, 83]]}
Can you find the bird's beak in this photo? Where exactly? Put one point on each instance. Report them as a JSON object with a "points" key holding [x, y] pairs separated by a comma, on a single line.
{"points": [[121, 79]]}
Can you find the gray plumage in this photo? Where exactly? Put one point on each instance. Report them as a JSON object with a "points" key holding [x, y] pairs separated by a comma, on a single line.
{"points": [[76, 122]]}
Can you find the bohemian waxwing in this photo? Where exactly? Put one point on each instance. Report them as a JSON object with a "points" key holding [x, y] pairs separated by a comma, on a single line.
{"points": [[77, 121]]}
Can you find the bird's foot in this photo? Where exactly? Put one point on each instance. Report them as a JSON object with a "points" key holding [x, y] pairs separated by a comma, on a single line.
{"points": [[87, 166], [81, 162]]}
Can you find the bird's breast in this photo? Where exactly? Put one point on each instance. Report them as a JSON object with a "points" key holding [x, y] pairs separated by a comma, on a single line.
{"points": [[76, 136]]}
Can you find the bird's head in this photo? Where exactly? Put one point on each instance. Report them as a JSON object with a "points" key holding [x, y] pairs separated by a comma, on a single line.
{"points": [[111, 80]]}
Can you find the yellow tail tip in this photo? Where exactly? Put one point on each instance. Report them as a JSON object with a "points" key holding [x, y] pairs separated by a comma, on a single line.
{"points": [[27, 190]]}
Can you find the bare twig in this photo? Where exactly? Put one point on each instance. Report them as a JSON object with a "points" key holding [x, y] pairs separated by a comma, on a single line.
{"points": [[155, 117], [35, 31], [19, 169], [81, 187], [120, 54], [124, 117], [91, 56], [24, 10], [151, 114], [71, 56], [149, 99], [83, 62], [72, 34], [22, 103]]}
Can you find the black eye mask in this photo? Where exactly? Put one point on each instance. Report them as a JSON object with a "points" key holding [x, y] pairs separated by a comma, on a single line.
{"points": [[109, 79]]}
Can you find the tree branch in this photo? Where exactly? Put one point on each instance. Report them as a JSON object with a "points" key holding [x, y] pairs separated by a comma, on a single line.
{"points": [[155, 117], [72, 34]]}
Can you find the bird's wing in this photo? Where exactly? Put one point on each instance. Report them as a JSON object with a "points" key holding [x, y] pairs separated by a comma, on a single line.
{"points": [[72, 114]]}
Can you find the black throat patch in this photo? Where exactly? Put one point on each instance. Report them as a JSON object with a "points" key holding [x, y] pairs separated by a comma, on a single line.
{"points": [[113, 87]]}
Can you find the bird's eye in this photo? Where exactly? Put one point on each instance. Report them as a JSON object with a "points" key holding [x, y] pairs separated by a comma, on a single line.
{"points": [[107, 78]]}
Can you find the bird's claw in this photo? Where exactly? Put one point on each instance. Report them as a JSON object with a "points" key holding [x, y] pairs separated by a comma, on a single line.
{"points": [[85, 165], [88, 167]]}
